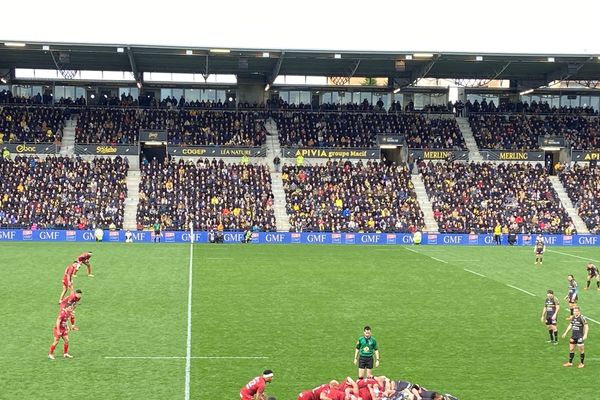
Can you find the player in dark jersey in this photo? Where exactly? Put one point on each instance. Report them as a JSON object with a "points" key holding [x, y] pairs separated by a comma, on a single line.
{"points": [[549, 314], [572, 295], [592, 272], [539, 250], [405, 386], [579, 331]]}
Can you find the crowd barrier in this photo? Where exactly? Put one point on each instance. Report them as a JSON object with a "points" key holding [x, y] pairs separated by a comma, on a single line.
{"points": [[435, 239]]}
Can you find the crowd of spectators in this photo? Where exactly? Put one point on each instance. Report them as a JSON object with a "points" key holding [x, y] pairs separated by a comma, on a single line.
{"points": [[583, 187], [309, 129], [214, 195], [521, 132], [524, 107], [184, 126], [62, 192], [473, 198], [31, 124], [351, 197]]}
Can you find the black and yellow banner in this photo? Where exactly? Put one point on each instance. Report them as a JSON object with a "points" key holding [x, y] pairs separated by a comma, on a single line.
{"points": [[585, 155], [107, 149], [30, 148], [512, 155], [441, 154], [331, 152], [216, 151]]}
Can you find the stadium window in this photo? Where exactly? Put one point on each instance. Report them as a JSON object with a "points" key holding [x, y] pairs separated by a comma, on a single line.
{"points": [[280, 80], [595, 102], [294, 97], [192, 94], [295, 79], [91, 75], [117, 76], [79, 91], [164, 93], [46, 74], [177, 93], [178, 77], [584, 101], [220, 95], [59, 92], [316, 80], [24, 73], [305, 97], [328, 97]]}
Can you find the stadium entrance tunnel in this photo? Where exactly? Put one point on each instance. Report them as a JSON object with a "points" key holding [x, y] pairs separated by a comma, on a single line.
{"points": [[391, 155], [150, 151]]}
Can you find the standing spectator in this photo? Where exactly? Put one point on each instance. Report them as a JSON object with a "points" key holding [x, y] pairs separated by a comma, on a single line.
{"points": [[299, 160], [5, 153], [276, 163]]}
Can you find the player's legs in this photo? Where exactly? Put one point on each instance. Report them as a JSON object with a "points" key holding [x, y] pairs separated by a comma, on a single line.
{"points": [[66, 347], [588, 281], [581, 349], [53, 346], [571, 354], [361, 373], [62, 294], [89, 270]]}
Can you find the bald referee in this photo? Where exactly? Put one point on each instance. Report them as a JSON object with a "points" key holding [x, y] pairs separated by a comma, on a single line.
{"points": [[366, 346]]}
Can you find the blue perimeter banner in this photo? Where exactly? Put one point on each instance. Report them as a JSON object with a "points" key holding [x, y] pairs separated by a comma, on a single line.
{"points": [[435, 239]]}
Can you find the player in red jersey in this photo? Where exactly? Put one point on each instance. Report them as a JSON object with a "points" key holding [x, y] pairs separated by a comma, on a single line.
{"points": [[68, 280], [61, 331], [315, 394], [255, 389], [84, 258], [368, 389], [349, 387], [71, 301]]}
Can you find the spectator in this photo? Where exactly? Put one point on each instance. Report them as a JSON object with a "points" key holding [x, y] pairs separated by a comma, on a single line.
{"points": [[582, 184]]}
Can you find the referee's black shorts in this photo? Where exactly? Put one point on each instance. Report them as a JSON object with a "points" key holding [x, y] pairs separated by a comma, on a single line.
{"points": [[365, 362]]}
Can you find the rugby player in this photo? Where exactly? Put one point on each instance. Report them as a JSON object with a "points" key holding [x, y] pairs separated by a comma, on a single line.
{"points": [[61, 331], [539, 249], [592, 272], [579, 331], [67, 280], [572, 295], [84, 258], [549, 314], [255, 389]]}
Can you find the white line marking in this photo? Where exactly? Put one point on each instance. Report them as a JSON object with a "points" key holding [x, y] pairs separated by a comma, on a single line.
{"points": [[465, 260], [437, 259], [593, 320], [219, 258], [188, 354], [473, 272], [411, 250], [573, 255], [181, 358], [521, 290]]}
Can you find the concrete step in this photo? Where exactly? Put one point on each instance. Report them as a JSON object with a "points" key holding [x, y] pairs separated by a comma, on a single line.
{"points": [[568, 204], [423, 200]]}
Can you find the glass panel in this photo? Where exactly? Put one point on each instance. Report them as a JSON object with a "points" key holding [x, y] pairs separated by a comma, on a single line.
{"points": [[316, 80], [177, 77], [177, 93], [294, 97], [24, 73], [79, 91], [220, 96], [192, 95], [305, 97], [164, 93], [595, 102]]}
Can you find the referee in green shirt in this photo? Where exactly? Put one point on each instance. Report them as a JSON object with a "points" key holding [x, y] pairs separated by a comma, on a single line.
{"points": [[366, 346]]}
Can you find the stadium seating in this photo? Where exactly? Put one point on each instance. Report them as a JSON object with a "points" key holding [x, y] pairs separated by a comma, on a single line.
{"points": [[318, 129], [583, 187], [525, 108], [212, 193], [31, 124], [474, 197], [336, 197], [582, 132], [184, 126], [62, 192]]}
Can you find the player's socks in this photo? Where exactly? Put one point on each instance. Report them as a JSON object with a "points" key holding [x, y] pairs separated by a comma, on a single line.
{"points": [[72, 320], [551, 335], [66, 348], [582, 357], [588, 284], [571, 356], [556, 336], [52, 347], [598, 284]]}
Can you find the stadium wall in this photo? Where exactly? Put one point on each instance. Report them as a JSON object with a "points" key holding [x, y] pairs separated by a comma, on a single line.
{"points": [[435, 239]]}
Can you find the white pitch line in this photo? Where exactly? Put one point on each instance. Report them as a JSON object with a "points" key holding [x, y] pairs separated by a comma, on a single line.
{"points": [[181, 358], [521, 290], [411, 250], [188, 354], [473, 272], [219, 258], [573, 255], [593, 320], [439, 260]]}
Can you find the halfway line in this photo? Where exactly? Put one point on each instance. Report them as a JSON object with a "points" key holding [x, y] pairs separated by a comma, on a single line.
{"points": [[521, 290], [188, 354], [573, 255], [473, 272], [437, 259]]}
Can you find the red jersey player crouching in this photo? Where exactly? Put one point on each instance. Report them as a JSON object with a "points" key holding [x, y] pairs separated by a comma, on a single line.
{"points": [[71, 301], [61, 331], [255, 389], [84, 258], [67, 280]]}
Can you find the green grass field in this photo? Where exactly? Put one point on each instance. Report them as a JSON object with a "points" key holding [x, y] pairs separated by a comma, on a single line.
{"points": [[298, 310]]}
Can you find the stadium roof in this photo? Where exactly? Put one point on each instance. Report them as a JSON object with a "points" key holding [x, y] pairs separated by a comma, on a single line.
{"points": [[404, 67]]}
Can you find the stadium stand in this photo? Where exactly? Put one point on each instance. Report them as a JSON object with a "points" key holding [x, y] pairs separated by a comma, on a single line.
{"points": [[351, 197], [31, 124], [474, 197], [525, 108], [214, 194], [521, 132], [312, 129], [191, 127], [583, 187], [62, 192]]}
